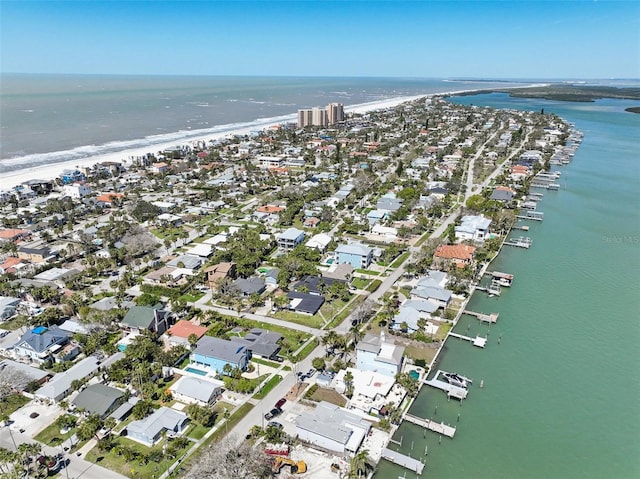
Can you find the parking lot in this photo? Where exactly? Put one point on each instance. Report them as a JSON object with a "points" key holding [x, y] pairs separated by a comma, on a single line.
{"points": [[22, 419]]}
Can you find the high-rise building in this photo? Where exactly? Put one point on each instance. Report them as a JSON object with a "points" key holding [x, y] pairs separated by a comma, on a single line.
{"points": [[335, 113], [332, 114]]}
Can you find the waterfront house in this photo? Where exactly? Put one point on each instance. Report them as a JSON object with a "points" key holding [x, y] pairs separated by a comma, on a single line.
{"points": [[214, 353], [99, 399], [332, 428], [290, 238], [376, 353], [149, 430], [200, 391], [357, 255], [458, 254], [411, 312], [474, 228], [8, 307], [372, 392]]}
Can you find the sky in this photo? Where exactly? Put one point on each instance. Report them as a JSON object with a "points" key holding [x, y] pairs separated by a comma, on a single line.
{"points": [[552, 39]]}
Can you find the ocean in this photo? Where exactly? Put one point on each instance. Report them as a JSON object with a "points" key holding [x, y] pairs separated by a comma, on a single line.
{"points": [[54, 118], [561, 367]]}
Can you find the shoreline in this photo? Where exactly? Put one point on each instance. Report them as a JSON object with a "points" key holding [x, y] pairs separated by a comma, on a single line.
{"points": [[51, 170]]}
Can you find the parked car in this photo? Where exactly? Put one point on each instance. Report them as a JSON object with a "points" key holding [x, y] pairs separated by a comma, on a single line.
{"points": [[275, 424], [280, 403], [311, 372], [273, 413], [34, 415]]}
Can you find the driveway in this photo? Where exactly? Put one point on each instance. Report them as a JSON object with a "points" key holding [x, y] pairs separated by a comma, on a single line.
{"points": [[32, 426]]}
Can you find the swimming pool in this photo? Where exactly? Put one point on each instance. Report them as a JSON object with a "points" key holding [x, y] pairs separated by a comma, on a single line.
{"points": [[199, 372], [414, 374]]}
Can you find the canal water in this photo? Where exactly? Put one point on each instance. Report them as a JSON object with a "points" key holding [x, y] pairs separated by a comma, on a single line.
{"points": [[560, 372]]}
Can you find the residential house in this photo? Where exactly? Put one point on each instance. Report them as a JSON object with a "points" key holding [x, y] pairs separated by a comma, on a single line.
{"points": [[290, 238], [502, 194], [34, 254], [186, 262], [160, 168], [341, 272], [332, 428], [389, 203], [13, 234], [200, 391], [76, 190], [214, 353], [179, 333], [41, 343], [99, 399], [149, 430], [249, 286], [357, 255], [375, 353], [458, 254], [271, 277], [11, 265], [320, 242], [305, 303], [261, 343], [218, 272], [411, 312], [474, 228], [22, 375], [315, 284], [139, 318], [60, 386], [8, 307], [372, 391]]}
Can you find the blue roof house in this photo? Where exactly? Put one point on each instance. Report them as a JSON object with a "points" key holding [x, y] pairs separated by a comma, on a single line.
{"points": [[214, 353], [355, 254], [39, 344]]}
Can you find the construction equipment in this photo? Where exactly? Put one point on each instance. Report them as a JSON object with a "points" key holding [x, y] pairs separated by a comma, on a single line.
{"points": [[298, 467]]}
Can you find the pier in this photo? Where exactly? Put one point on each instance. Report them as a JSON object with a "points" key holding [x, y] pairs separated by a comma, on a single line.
{"points": [[520, 227], [521, 242], [439, 427], [485, 318], [451, 390], [478, 341], [492, 290], [531, 215], [402, 460]]}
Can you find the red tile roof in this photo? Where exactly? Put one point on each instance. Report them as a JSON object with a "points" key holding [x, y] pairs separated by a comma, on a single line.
{"points": [[462, 252], [183, 329]]}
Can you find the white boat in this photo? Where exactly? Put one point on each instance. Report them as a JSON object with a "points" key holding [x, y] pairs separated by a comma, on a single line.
{"points": [[457, 380]]}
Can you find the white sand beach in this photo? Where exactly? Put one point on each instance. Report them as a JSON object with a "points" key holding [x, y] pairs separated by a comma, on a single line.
{"points": [[51, 171]]}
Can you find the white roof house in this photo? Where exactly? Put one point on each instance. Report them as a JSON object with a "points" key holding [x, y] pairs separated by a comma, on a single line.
{"points": [[331, 427], [148, 431], [320, 242], [60, 385], [473, 228], [191, 390]]}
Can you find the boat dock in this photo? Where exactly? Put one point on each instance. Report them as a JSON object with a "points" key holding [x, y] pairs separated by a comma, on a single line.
{"points": [[520, 242], [451, 390], [520, 227], [485, 318], [531, 215], [492, 290], [402, 460], [503, 279], [478, 341], [439, 427]]}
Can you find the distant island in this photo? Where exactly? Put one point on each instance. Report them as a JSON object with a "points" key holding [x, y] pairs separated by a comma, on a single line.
{"points": [[571, 92]]}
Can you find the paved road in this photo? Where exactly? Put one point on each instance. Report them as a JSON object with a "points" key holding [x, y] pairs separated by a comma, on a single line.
{"points": [[78, 468]]}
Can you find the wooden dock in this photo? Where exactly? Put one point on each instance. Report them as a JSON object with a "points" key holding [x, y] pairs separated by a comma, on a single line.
{"points": [[493, 290], [521, 242], [402, 460], [451, 390], [485, 318], [520, 227], [478, 341], [439, 427], [531, 215], [502, 279]]}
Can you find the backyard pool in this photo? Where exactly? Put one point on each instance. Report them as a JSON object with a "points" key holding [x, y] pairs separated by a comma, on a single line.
{"points": [[199, 372]]}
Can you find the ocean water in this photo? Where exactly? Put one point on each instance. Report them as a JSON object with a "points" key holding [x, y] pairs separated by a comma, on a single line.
{"points": [[49, 118], [562, 386]]}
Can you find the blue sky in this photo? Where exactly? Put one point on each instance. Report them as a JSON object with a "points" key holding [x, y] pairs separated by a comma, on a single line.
{"points": [[480, 39]]}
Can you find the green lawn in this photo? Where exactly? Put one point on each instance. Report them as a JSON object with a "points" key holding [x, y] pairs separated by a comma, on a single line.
{"points": [[367, 271], [51, 435], [306, 350], [375, 284], [12, 403], [196, 431], [136, 468], [192, 297], [266, 389], [271, 364], [360, 283], [400, 259], [311, 321]]}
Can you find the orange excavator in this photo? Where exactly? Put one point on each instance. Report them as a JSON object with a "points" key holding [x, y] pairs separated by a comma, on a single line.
{"points": [[298, 467]]}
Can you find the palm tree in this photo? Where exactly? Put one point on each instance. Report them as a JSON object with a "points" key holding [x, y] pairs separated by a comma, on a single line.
{"points": [[360, 464], [348, 382]]}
